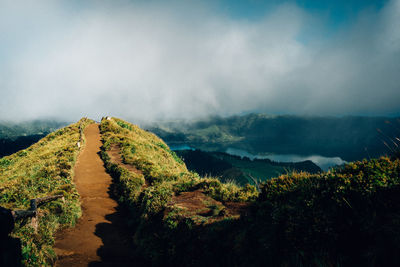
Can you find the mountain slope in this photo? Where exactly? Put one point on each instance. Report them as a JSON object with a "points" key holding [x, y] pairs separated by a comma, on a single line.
{"points": [[45, 168]]}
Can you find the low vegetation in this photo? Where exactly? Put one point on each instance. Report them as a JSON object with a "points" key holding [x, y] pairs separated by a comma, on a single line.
{"points": [[347, 216], [45, 168]]}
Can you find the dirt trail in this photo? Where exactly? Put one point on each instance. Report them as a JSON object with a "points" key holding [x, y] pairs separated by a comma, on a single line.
{"points": [[100, 237]]}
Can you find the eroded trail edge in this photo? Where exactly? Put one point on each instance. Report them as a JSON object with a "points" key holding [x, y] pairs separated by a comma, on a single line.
{"points": [[100, 237]]}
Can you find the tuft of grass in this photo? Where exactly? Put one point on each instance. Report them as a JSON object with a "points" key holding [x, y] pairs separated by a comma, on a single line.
{"points": [[124, 125]]}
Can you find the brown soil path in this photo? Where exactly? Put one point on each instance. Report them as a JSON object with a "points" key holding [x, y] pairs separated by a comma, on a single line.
{"points": [[100, 237]]}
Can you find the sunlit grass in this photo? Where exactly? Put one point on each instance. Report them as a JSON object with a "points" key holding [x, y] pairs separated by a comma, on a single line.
{"points": [[45, 168]]}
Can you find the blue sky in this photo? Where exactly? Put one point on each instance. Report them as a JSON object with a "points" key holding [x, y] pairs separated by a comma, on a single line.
{"points": [[151, 60], [335, 15], [336, 12]]}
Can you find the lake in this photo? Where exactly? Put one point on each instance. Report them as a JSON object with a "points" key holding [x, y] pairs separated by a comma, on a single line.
{"points": [[323, 162]]}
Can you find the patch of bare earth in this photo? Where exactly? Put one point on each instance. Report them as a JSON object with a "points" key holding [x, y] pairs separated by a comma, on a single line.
{"points": [[204, 209]]}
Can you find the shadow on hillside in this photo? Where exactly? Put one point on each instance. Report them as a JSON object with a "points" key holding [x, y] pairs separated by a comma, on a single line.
{"points": [[117, 238]]}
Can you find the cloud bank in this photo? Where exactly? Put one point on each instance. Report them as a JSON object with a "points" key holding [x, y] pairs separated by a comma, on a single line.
{"points": [[151, 61]]}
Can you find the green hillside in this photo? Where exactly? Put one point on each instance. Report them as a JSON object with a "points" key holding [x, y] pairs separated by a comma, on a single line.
{"points": [[345, 217], [45, 168]]}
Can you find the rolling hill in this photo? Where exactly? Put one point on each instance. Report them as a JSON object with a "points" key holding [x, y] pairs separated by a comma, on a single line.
{"points": [[348, 216]]}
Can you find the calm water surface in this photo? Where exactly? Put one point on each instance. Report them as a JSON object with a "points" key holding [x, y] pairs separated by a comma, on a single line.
{"points": [[323, 162]]}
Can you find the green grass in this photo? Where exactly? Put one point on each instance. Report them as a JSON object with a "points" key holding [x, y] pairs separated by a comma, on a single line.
{"points": [[45, 168]]}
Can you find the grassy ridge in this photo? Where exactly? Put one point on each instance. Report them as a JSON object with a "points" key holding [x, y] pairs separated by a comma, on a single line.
{"points": [[45, 168], [152, 190], [345, 217], [158, 164]]}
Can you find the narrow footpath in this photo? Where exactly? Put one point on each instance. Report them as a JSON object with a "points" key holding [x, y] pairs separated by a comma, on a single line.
{"points": [[100, 237]]}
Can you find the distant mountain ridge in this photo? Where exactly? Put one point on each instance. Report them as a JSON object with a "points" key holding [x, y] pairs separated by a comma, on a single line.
{"points": [[17, 136], [12, 130], [241, 170], [351, 138]]}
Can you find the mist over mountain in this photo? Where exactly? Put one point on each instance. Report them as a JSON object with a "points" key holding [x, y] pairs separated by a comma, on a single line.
{"points": [[351, 138], [232, 133], [17, 136]]}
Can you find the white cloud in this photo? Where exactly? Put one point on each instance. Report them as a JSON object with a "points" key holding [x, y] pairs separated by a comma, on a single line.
{"points": [[152, 61]]}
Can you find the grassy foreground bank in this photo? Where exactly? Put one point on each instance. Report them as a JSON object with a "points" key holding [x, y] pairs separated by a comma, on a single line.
{"points": [[43, 169]]}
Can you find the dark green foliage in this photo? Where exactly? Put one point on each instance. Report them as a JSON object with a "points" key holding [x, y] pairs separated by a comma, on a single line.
{"points": [[346, 217], [4, 162]]}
